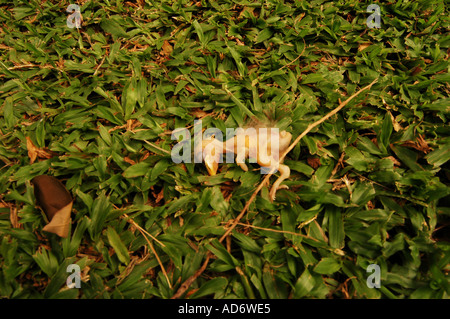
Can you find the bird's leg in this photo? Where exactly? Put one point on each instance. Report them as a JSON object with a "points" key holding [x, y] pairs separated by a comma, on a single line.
{"points": [[241, 155], [285, 172]]}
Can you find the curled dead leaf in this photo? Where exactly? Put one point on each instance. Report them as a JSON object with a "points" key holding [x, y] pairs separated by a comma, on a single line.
{"points": [[397, 126], [35, 152], [129, 160], [314, 162], [56, 202], [362, 46], [13, 217], [198, 113], [159, 196], [419, 144], [166, 49]]}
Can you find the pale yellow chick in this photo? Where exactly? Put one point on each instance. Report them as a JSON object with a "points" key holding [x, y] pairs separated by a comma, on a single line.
{"points": [[266, 145]]}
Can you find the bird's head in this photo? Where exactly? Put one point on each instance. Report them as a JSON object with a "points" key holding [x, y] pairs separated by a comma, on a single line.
{"points": [[211, 154]]}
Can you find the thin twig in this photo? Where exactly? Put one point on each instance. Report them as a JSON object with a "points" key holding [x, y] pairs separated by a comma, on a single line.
{"points": [[145, 234], [278, 231], [293, 61], [16, 67], [131, 221], [101, 63], [188, 282], [157, 147]]}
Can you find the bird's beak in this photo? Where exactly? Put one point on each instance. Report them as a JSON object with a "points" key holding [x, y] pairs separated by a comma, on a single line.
{"points": [[210, 149], [211, 165]]}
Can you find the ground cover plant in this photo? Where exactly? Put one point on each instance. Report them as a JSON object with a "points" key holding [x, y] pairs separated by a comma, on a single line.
{"points": [[95, 107]]}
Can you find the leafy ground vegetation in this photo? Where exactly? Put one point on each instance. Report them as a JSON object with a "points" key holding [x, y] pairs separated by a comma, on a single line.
{"points": [[95, 107]]}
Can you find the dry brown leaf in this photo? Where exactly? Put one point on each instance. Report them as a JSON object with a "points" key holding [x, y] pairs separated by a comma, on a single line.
{"points": [[146, 155], [35, 152], [423, 145], [416, 70], [314, 162], [129, 160], [14, 218], [166, 49], [397, 127], [32, 150], [362, 46], [56, 202], [420, 144], [239, 42], [159, 196], [198, 113]]}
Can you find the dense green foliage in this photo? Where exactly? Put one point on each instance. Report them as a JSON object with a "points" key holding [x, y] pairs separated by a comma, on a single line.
{"points": [[369, 186]]}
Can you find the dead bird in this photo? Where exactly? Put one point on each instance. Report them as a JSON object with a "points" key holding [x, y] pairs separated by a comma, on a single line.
{"points": [[260, 144]]}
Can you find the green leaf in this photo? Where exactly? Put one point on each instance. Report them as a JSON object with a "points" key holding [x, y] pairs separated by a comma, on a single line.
{"points": [[130, 97], [86, 67], [362, 193], [300, 167], [365, 144], [439, 105], [71, 248], [58, 279], [199, 31], [213, 286], [263, 35], [394, 245], [111, 26], [101, 208], [385, 133], [407, 156], [275, 287], [135, 276], [117, 245], [40, 133], [8, 112], [104, 134], [47, 261], [86, 199], [218, 202], [136, 170], [357, 159], [327, 266], [217, 249], [247, 243], [335, 227], [180, 203], [304, 285], [159, 168], [439, 156], [205, 201], [312, 78], [238, 60]]}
